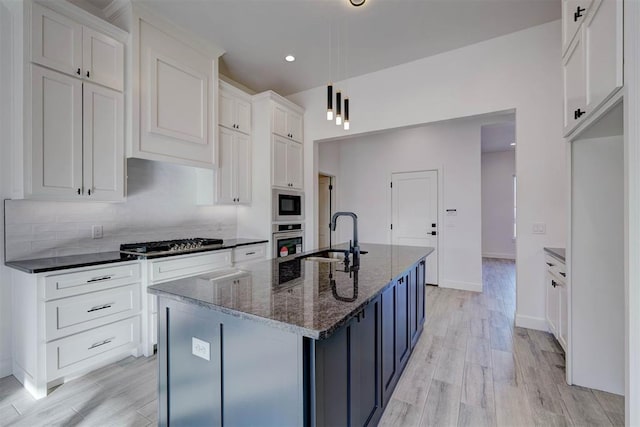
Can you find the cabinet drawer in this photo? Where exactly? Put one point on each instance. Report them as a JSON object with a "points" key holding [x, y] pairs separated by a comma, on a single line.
{"points": [[88, 349], [248, 253], [555, 267], [190, 265], [79, 282], [76, 314]]}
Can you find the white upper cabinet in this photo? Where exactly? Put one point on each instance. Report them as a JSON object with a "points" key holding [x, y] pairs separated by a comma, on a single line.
{"points": [[176, 97], [235, 109], [287, 163], [592, 62], [103, 59], [603, 47], [103, 143], [56, 135], [287, 123], [234, 170], [60, 43], [56, 41], [573, 13]]}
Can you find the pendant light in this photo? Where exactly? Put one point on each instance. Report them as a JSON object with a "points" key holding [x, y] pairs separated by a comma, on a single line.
{"points": [[338, 108], [330, 102], [346, 114]]}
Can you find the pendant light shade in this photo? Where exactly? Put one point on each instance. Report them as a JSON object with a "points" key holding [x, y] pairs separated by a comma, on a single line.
{"points": [[338, 108], [346, 114], [330, 102]]}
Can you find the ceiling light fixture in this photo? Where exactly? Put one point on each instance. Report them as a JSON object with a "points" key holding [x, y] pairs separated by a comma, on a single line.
{"points": [[346, 114], [338, 108], [513, 144], [330, 102], [289, 58], [357, 3]]}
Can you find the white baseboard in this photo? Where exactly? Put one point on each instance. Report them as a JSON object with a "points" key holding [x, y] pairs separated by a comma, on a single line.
{"points": [[530, 322], [463, 286], [498, 255], [5, 367]]}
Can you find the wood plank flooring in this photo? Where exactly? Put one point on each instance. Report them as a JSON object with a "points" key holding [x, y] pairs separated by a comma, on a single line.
{"points": [[471, 367]]}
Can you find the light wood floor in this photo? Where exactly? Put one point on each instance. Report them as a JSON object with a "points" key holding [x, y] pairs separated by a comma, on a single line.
{"points": [[471, 367]]}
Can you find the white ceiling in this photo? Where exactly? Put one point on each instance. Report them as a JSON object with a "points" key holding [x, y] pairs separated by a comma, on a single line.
{"points": [[257, 34], [498, 136]]}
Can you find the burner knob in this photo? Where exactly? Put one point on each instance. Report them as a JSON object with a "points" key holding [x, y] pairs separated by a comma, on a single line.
{"points": [[173, 247]]}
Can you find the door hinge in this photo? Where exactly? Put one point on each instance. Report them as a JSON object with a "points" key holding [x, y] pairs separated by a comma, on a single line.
{"points": [[330, 187]]}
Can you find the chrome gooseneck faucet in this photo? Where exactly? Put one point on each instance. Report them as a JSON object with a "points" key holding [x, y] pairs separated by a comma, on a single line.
{"points": [[354, 247]]}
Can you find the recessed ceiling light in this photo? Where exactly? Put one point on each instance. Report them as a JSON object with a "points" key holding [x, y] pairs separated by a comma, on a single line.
{"points": [[289, 58], [513, 144]]}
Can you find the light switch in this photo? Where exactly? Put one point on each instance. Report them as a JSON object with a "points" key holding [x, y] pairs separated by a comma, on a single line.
{"points": [[539, 228], [201, 349]]}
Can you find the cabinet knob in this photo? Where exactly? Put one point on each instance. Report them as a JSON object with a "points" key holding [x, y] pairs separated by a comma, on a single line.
{"points": [[554, 283], [79, 191], [578, 13], [432, 233], [578, 113], [89, 192], [88, 74], [79, 72]]}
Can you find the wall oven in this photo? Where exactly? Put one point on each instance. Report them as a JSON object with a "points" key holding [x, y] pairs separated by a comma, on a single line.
{"points": [[288, 239], [288, 205]]}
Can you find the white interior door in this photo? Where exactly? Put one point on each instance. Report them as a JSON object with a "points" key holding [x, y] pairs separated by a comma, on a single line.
{"points": [[414, 204]]}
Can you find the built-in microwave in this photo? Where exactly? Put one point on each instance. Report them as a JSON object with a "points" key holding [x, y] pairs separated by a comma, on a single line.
{"points": [[288, 205]]}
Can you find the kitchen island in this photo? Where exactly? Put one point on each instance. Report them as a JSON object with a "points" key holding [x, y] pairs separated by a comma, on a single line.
{"points": [[303, 340]]}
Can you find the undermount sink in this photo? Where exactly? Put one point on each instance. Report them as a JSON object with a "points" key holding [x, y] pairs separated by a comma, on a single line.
{"points": [[330, 255]]}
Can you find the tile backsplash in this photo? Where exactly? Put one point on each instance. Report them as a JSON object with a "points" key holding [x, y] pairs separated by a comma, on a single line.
{"points": [[161, 204]]}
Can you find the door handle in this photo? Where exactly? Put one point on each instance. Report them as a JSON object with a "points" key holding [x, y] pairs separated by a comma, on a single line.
{"points": [[578, 13]]}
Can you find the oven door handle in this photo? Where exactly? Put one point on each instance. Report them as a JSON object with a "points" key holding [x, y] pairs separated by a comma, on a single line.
{"points": [[287, 235]]}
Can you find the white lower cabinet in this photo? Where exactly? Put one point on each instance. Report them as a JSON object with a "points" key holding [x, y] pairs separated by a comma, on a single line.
{"points": [[249, 253], [73, 322], [556, 307]]}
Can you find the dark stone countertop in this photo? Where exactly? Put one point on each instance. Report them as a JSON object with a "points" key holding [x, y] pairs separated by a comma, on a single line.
{"points": [[42, 265], [309, 298], [558, 253]]}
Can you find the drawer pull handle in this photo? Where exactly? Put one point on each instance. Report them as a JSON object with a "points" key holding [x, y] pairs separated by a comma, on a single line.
{"points": [[250, 253], [99, 279], [100, 307], [563, 274], [98, 344], [554, 283], [549, 264]]}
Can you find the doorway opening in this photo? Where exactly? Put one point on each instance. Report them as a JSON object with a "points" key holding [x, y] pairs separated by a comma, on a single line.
{"points": [[414, 214], [326, 208]]}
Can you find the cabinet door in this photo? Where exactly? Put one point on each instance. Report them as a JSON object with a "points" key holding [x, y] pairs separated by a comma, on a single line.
{"points": [[280, 149], [422, 274], [56, 41], [365, 367], [243, 168], [294, 165], [294, 124], [176, 97], [103, 59], [573, 73], [563, 317], [226, 167], [389, 369], [603, 47], [403, 342], [56, 134], [280, 121], [226, 103], [243, 115], [552, 305], [103, 143], [573, 13]]}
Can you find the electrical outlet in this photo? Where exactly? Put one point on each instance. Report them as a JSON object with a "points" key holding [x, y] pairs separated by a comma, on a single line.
{"points": [[200, 348], [539, 228], [96, 232]]}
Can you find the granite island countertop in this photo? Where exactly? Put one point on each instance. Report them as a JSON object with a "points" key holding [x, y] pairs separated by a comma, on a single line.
{"points": [[558, 253], [307, 297], [42, 265]]}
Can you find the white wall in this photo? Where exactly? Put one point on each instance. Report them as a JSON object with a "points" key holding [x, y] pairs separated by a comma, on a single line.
{"points": [[453, 148], [498, 169], [5, 288], [160, 205], [518, 71]]}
